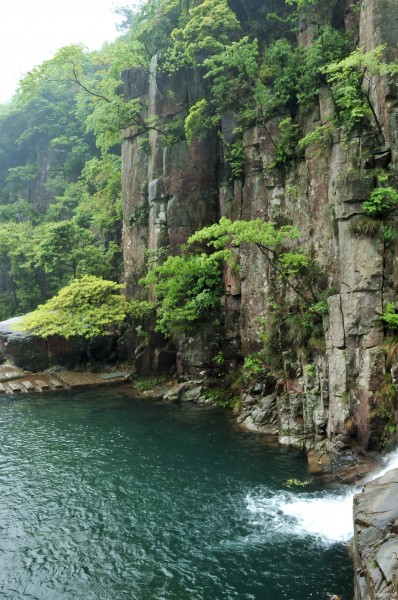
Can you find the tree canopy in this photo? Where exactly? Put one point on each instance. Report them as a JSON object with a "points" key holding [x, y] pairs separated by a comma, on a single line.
{"points": [[88, 307]]}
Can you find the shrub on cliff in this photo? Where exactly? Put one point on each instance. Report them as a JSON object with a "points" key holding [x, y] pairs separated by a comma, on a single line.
{"points": [[88, 307], [381, 202], [187, 290]]}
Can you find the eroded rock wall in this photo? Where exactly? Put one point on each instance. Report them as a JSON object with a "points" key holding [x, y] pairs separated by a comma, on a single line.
{"points": [[171, 191], [322, 194]]}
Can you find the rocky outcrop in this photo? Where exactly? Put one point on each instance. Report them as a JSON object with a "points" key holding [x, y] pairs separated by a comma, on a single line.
{"points": [[169, 191], [36, 354], [376, 539]]}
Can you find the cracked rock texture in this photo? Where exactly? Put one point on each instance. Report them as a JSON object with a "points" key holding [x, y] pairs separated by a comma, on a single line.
{"points": [[376, 539], [171, 191]]}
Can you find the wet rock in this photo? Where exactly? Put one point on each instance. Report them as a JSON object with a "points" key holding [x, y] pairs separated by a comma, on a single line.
{"points": [[376, 539], [259, 414], [191, 394]]}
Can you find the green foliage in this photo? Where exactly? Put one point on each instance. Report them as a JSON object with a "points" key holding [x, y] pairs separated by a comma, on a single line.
{"points": [[199, 120], [145, 384], [219, 358], [187, 290], [352, 80], [233, 75], [294, 263], [174, 131], [279, 78], [286, 144], [66, 251], [321, 137], [209, 27], [330, 46], [140, 309], [17, 264], [319, 308], [295, 323], [302, 3], [381, 202], [254, 363], [236, 158], [390, 232], [389, 317], [88, 307], [289, 483], [227, 233], [139, 216]]}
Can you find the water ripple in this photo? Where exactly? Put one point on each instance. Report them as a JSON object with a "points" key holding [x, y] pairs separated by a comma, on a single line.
{"points": [[103, 497]]}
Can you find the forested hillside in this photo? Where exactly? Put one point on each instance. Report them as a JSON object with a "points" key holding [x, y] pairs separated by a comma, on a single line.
{"points": [[60, 208]]}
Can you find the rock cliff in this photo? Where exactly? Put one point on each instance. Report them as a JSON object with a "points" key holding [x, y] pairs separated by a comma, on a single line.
{"points": [[170, 191], [376, 539]]}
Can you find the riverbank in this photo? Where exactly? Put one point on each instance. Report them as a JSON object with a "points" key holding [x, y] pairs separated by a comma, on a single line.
{"points": [[16, 381], [334, 459]]}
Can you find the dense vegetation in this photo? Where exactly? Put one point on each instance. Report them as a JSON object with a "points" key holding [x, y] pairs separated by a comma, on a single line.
{"points": [[60, 205]]}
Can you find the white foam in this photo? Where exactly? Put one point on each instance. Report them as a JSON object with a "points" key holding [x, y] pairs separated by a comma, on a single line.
{"points": [[389, 462], [326, 516]]}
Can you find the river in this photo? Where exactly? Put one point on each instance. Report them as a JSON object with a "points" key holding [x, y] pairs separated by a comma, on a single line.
{"points": [[106, 497]]}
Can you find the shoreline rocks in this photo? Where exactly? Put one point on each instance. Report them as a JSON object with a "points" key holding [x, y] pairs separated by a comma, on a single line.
{"points": [[375, 547]]}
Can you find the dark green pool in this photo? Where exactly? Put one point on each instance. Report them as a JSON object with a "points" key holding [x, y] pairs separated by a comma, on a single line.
{"points": [[104, 497]]}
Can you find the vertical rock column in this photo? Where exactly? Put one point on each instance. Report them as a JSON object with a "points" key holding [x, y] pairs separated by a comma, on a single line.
{"points": [[176, 182]]}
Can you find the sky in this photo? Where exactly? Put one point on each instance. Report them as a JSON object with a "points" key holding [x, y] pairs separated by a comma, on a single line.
{"points": [[31, 31]]}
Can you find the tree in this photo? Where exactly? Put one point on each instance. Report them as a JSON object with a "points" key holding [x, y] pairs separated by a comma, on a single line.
{"points": [[187, 290], [295, 268], [20, 290], [210, 26], [67, 250], [88, 307]]}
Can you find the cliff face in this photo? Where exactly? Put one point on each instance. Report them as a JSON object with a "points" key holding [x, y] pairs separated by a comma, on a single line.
{"points": [[171, 191]]}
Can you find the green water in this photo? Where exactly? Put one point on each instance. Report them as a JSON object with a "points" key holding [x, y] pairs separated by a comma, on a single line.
{"points": [[104, 497]]}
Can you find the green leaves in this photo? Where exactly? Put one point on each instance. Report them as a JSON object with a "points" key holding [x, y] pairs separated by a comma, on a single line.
{"points": [[381, 202], [389, 317], [88, 307], [352, 79], [199, 120], [234, 233], [187, 290], [210, 26]]}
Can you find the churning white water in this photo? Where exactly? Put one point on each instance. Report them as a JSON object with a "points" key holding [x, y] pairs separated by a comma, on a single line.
{"points": [[324, 516]]}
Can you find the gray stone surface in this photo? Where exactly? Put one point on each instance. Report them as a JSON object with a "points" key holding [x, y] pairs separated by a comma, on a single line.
{"points": [[29, 352], [376, 539]]}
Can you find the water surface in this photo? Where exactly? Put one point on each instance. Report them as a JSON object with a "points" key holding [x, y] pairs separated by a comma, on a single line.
{"points": [[105, 497]]}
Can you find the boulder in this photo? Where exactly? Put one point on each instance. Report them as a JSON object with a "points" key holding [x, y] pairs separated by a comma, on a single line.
{"points": [[36, 354]]}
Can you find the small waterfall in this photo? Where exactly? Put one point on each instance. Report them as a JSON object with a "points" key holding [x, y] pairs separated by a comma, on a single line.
{"points": [[326, 517]]}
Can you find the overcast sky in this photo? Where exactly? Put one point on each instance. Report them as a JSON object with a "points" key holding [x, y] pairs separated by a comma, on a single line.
{"points": [[31, 31]]}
